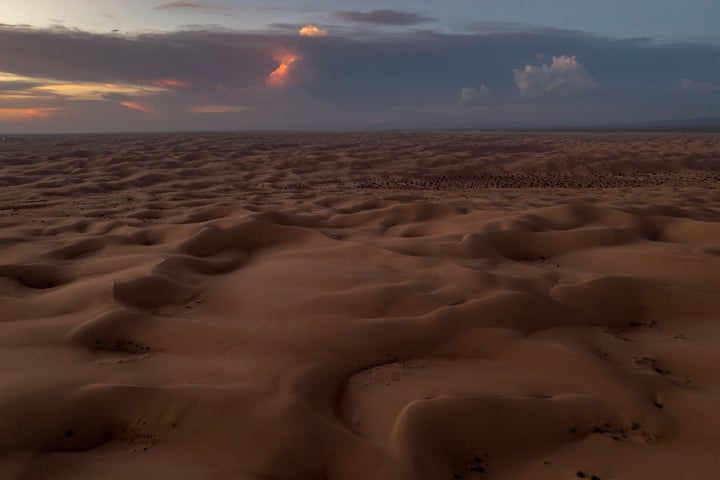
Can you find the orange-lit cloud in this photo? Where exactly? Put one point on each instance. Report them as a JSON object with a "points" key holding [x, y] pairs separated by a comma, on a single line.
{"points": [[312, 31], [94, 91], [221, 108], [41, 89], [19, 114], [281, 75], [169, 83], [138, 106]]}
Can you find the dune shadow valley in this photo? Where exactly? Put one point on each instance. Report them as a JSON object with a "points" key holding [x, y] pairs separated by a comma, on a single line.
{"points": [[360, 306]]}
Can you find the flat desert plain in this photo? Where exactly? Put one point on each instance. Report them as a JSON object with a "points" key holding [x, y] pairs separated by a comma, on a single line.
{"points": [[360, 306]]}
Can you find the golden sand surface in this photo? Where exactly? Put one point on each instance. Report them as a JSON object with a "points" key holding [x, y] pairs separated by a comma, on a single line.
{"points": [[360, 306]]}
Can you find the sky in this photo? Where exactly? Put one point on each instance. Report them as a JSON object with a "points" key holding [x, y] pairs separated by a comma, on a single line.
{"points": [[159, 65]]}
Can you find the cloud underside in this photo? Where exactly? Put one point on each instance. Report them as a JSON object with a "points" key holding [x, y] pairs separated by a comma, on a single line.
{"points": [[289, 79], [382, 17], [180, 5], [204, 7]]}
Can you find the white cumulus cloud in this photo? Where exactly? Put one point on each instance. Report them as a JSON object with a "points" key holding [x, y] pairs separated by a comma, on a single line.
{"points": [[565, 76], [472, 95]]}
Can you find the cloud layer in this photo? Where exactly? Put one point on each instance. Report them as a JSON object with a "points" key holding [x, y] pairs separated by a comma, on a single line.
{"points": [[172, 5], [62, 79], [382, 17], [204, 7]]}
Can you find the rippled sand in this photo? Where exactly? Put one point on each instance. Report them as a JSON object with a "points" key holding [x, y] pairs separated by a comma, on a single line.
{"points": [[360, 306]]}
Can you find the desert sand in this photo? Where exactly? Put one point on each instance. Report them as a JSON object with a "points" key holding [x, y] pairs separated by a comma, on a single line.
{"points": [[360, 306]]}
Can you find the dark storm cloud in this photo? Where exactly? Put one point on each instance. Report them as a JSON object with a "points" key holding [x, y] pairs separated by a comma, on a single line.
{"points": [[359, 79], [200, 58], [431, 67], [382, 17]]}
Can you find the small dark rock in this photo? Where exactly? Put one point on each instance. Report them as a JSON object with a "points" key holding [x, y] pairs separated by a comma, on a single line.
{"points": [[580, 474]]}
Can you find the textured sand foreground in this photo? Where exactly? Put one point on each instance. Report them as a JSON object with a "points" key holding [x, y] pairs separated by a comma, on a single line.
{"points": [[360, 306]]}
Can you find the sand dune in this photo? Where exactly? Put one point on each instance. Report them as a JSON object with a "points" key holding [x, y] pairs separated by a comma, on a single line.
{"points": [[360, 306]]}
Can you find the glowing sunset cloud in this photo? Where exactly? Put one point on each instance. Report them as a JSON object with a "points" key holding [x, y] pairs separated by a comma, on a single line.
{"points": [[19, 114], [312, 31], [281, 75], [11, 77], [10, 95], [169, 83], [42, 89], [94, 91], [137, 106]]}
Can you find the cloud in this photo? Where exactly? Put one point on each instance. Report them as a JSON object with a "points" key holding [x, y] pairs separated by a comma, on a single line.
{"points": [[169, 83], [687, 85], [197, 6], [312, 31], [214, 78], [221, 108], [26, 114], [195, 62], [17, 88], [281, 76], [565, 76], [490, 27], [172, 5], [382, 17], [138, 106], [470, 95]]}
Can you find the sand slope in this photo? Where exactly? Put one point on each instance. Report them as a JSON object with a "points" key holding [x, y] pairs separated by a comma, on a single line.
{"points": [[360, 306]]}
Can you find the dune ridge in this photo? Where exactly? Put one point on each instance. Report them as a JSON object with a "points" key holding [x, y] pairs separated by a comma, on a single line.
{"points": [[360, 306]]}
